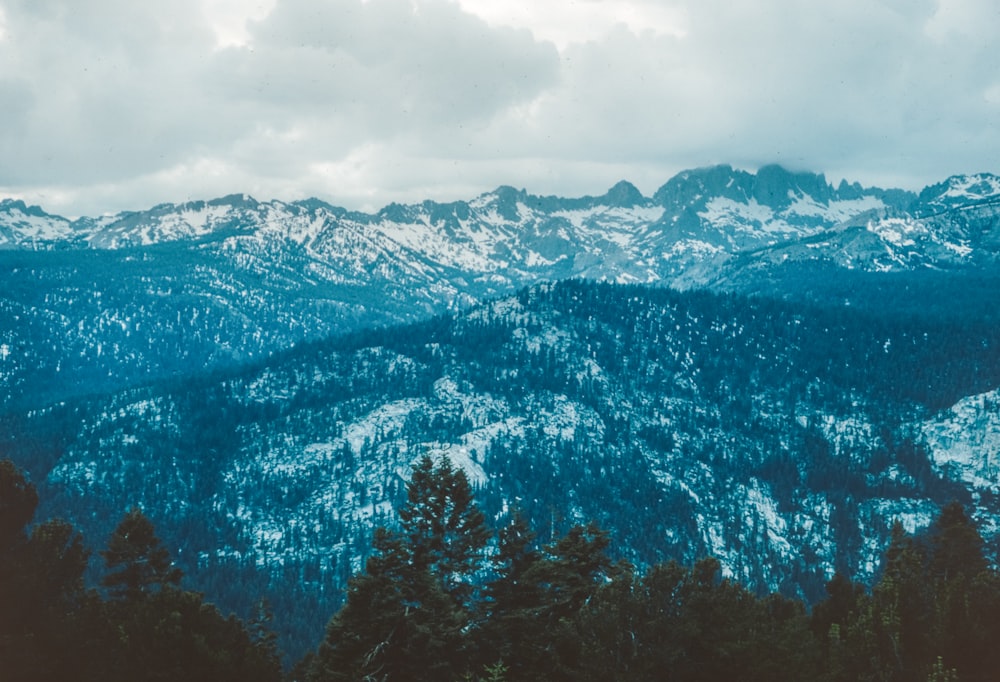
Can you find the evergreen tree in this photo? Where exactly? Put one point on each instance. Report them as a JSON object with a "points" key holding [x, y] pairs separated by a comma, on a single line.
{"points": [[965, 624], [833, 623], [18, 500], [407, 616], [510, 597], [46, 616], [137, 563], [956, 548], [156, 631], [544, 596], [445, 531]]}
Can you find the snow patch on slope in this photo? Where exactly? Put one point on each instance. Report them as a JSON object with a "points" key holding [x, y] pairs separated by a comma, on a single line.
{"points": [[964, 441]]}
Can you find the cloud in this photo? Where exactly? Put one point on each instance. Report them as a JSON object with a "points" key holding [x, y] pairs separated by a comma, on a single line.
{"points": [[112, 104], [880, 91], [110, 92]]}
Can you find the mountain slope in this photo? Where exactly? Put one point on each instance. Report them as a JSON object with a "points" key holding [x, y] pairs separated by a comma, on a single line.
{"points": [[781, 438], [102, 303]]}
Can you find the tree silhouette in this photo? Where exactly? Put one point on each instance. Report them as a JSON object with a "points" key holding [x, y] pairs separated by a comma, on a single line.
{"points": [[137, 563], [407, 616]]}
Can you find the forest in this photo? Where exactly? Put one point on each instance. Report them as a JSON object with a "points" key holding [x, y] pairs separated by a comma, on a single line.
{"points": [[445, 597], [646, 411]]}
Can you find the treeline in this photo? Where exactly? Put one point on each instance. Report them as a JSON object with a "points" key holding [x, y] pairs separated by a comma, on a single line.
{"points": [[428, 608], [139, 624], [721, 393], [441, 598]]}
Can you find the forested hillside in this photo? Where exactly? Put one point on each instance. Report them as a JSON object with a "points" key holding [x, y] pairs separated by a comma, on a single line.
{"points": [[782, 438], [439, 600]]}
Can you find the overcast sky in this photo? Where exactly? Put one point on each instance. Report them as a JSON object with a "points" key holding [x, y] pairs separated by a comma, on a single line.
{"points": [[121, 104]]}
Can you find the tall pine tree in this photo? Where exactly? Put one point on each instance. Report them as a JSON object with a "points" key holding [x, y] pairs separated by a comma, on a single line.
{"points": [[407, 617]]}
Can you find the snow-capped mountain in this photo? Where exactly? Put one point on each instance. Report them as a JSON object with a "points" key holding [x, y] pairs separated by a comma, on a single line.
{"points": [[722, 207], [233, 366], [143, 295], [30, 226], [507, 237]]}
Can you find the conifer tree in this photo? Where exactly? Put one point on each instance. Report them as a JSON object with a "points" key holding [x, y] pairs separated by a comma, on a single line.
{"points": [[964, 598], [18, 500], [407, 616], [510, 595], [137, 563]]}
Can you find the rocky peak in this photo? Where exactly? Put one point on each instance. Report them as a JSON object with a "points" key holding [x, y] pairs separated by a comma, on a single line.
{"points": [[958, 191], [624, 195], [775, 186]]}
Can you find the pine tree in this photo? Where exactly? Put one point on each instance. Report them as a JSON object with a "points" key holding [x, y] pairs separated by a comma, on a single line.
{"points": [[445, 531], [47, 618], [957, 572], [510, 597], [137, 563], [407, 616], [18, 500], [550, 592]]}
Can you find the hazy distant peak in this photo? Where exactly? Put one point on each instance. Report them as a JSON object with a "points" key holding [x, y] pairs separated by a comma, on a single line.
{"points": [[624, 195], [960, 190]]}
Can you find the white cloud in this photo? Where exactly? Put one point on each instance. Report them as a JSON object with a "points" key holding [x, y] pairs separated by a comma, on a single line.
{"points": [[112, 103], [565, 22], [230, 19]]}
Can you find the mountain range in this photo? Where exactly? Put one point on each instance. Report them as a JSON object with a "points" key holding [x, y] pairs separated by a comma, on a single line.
{"points": [[138, 296], [758, 366]]}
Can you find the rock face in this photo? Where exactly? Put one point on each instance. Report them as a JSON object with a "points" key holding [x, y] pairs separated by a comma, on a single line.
{"points": [[761, 367]]}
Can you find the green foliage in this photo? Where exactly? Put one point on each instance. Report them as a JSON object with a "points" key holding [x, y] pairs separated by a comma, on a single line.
{"points": [[931, 616], [564, 611], [567, 612], [174, 634]]}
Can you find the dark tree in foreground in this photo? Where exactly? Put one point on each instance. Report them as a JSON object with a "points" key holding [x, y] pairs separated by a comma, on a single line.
{"points": [[157, 631], [18, 499], [933, 615], [407, 617], [45, 612], [53, 628], [136, 560]]}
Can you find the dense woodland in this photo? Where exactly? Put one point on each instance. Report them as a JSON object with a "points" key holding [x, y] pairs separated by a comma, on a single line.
{"points": [[673, 392], [444, 597]]}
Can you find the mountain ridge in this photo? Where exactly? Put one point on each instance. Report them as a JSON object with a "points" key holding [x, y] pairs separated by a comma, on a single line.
{"points": [[759, 366], [781, 438], [771, 185], [134, 299]]}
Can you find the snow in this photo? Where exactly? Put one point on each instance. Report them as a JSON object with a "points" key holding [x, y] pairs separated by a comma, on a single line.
{"points": [[913, 514], [766, 510], [962, 250], [965, 440], [199, 222], [694, 247], [835, 211], [28, 228], [723, 212], [973, 187], [898, 231], [377, 423], [460, 458], [602, 216]]}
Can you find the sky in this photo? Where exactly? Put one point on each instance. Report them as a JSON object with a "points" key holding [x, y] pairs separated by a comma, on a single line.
{"points": [[109, 105]]}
